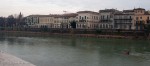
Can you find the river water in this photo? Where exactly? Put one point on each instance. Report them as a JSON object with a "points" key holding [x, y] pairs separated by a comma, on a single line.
{"points": [[73, 51]]}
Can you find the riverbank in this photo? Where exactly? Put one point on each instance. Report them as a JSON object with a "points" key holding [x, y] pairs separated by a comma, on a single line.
{"points": [[47, 34], [10, 60]]}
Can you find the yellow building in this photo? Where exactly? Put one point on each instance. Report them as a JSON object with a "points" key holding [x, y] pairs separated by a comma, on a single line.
{"points": [[46, 21], [141, 17], [57, 21]]}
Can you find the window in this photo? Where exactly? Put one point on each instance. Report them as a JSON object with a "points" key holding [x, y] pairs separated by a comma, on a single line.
{"points": [[147, 18], [85, 17], [101, 17], [125, 26], [137, 18], [140, 17], [130, 17], [80, 17], [111, 16], [107, 16], [77, 17]]}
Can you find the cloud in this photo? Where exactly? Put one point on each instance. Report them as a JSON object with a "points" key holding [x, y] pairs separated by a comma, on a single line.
{"points": [[57, 6]]}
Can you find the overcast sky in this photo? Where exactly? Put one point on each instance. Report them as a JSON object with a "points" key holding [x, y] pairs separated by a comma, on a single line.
{"points": [[28, 7]]}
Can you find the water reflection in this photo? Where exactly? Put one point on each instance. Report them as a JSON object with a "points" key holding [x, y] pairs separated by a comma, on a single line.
{"points": [[73, 51]]}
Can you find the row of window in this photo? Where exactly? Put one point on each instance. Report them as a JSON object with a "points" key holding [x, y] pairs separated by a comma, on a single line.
{"points": [[46, 20], [123, 17], [123, 21], [139, 11], [105, 26], [123, 26], [137, 18], [85, 17], [106, 16]]}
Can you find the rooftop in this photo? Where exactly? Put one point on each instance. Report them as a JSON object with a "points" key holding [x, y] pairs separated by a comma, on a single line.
{"points": [[127, 11], [92, 12], [108, 10], [56, 15], [139, 9]]}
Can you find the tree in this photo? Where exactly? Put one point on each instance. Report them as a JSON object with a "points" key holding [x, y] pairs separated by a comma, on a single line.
{"points": [[11, 21], [2, 23], [20, 21]]}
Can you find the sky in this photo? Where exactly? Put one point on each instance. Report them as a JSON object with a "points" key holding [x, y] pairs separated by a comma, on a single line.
{"points": [[30, 7]]}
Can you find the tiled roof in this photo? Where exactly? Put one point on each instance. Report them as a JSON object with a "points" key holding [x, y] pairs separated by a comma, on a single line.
{"points": [[56, 15], [139, 9], [126, 11], [69, 15], [109, 10], [40, 15], [66, 15], [88, 12]]}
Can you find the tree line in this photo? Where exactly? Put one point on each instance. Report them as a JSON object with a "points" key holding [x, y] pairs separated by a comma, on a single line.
{"points": [[12, 22]]}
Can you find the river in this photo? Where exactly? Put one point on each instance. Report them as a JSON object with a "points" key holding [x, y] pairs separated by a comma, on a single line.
{"points": [[73, 51]]}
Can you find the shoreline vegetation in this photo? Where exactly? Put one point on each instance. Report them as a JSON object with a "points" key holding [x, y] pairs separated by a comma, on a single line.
{"points": [[73, 33]]}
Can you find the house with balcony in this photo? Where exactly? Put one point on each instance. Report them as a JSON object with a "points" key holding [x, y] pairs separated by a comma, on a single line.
{"points": [[124, 20], [87, 20], [107, 18], [141, 18]]}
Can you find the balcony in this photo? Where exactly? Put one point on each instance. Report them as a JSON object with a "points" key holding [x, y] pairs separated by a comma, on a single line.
{"points": [[122, 19], [82, 20], [106, 21]]}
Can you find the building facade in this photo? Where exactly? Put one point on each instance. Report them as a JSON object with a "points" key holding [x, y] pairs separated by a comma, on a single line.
{"points": [[134, 19], [141, 18], [107, 18], [64, 20], [87, 20], [32, 20], [124, 20], [46, 21], [51, 21]]}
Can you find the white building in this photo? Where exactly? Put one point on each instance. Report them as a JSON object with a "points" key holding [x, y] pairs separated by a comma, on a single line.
{"points": [[107, 18], [87, 20], [124, 20], [32, 20], [64, 20], [51, 21]]}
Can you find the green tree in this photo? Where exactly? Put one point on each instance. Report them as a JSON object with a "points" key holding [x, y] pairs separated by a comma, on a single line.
{"points": [[2, 23], [11, 21]]}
